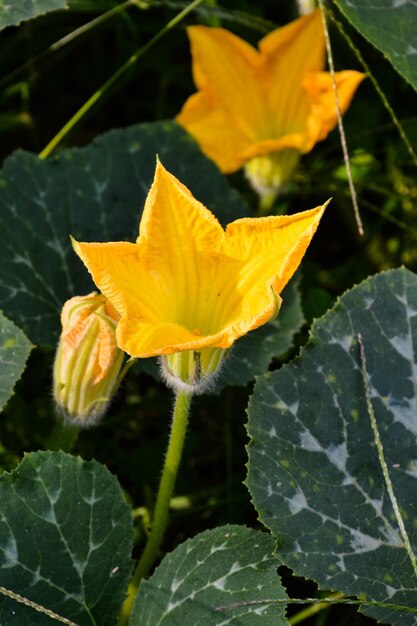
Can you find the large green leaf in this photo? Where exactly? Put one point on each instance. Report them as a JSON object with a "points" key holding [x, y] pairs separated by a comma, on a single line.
{"points": [[199, 582], [314, 472], [12, 12], [96, 194], [65, 541], [391, 26], [15, 348]]}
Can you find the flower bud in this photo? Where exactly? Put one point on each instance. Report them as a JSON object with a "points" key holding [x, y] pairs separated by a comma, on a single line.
{"points": [[88, 360], [190, 370]]}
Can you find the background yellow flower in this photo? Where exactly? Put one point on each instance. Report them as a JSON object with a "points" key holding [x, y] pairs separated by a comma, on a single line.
{"points": [[252, 102]]}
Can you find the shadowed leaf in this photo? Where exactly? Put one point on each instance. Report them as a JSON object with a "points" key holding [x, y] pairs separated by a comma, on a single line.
{"points": [[15, 348], [314, 471], [65, 541], [200, 581]]}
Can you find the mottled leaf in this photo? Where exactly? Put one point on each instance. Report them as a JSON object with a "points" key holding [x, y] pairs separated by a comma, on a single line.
{"points": [[15, 348], [96, 194], [12, 12], [314, 472], [391, 26], [222, 576], [65, 541]]}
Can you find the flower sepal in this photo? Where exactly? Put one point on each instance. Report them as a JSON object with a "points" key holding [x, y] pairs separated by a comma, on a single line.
{"points": [[192, 371], [268, 174]]}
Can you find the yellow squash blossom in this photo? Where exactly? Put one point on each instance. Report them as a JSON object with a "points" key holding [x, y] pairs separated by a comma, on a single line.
{"points": [[265, 107], [88, 360], [187, 287]]}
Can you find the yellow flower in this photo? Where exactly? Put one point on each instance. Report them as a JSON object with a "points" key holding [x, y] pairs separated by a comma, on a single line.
{"points": [[189, 286], [252, 104], [88, 359]]}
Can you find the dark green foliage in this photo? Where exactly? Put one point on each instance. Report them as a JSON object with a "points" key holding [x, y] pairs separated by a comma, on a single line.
{"points": [[15, 11], [314, 472], [14, 351], [390, 26], [200, 581], [65, 541]]}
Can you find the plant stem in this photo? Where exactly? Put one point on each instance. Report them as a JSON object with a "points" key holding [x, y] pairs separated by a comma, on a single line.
{"points": [[266, 202], [63, 437], [55, 141], [381, 458], [313, 609], [34, 605], [340, 122], [166, 487]]}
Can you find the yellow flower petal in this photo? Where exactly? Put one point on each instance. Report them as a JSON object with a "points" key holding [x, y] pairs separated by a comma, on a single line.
{"points": [[271, 248], [113, 267], [187, 284], [144, 339], [224, 115], [323, 115], [215, 130], [171, 208], [289, 54], [226, 68]]}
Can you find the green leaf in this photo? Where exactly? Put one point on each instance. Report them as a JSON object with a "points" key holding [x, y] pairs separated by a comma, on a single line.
{"points": [[251, 355], [15, 348], [65, 541], [96, 194], [12, 12], [200, 581], [314, 472], [391, 26]]}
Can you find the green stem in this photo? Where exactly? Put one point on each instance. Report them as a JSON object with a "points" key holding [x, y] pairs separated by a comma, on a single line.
{"points": [[112, 80], [381, 458], [166, 487], [63, 437], [213, 20], [313, 609], [266, 203], [340, 121], [34, 605], [125, 369]]}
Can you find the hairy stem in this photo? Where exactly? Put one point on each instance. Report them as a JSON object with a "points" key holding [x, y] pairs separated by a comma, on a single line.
{"points": [[166, 487]]}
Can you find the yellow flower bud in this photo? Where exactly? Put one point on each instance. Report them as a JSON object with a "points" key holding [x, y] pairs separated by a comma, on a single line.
{"points": [[88, 360]]}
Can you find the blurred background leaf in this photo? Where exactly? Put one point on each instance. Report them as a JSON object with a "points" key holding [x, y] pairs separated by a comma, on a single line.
{"points": [[390, 26], [15, 11], [15, 348]]}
